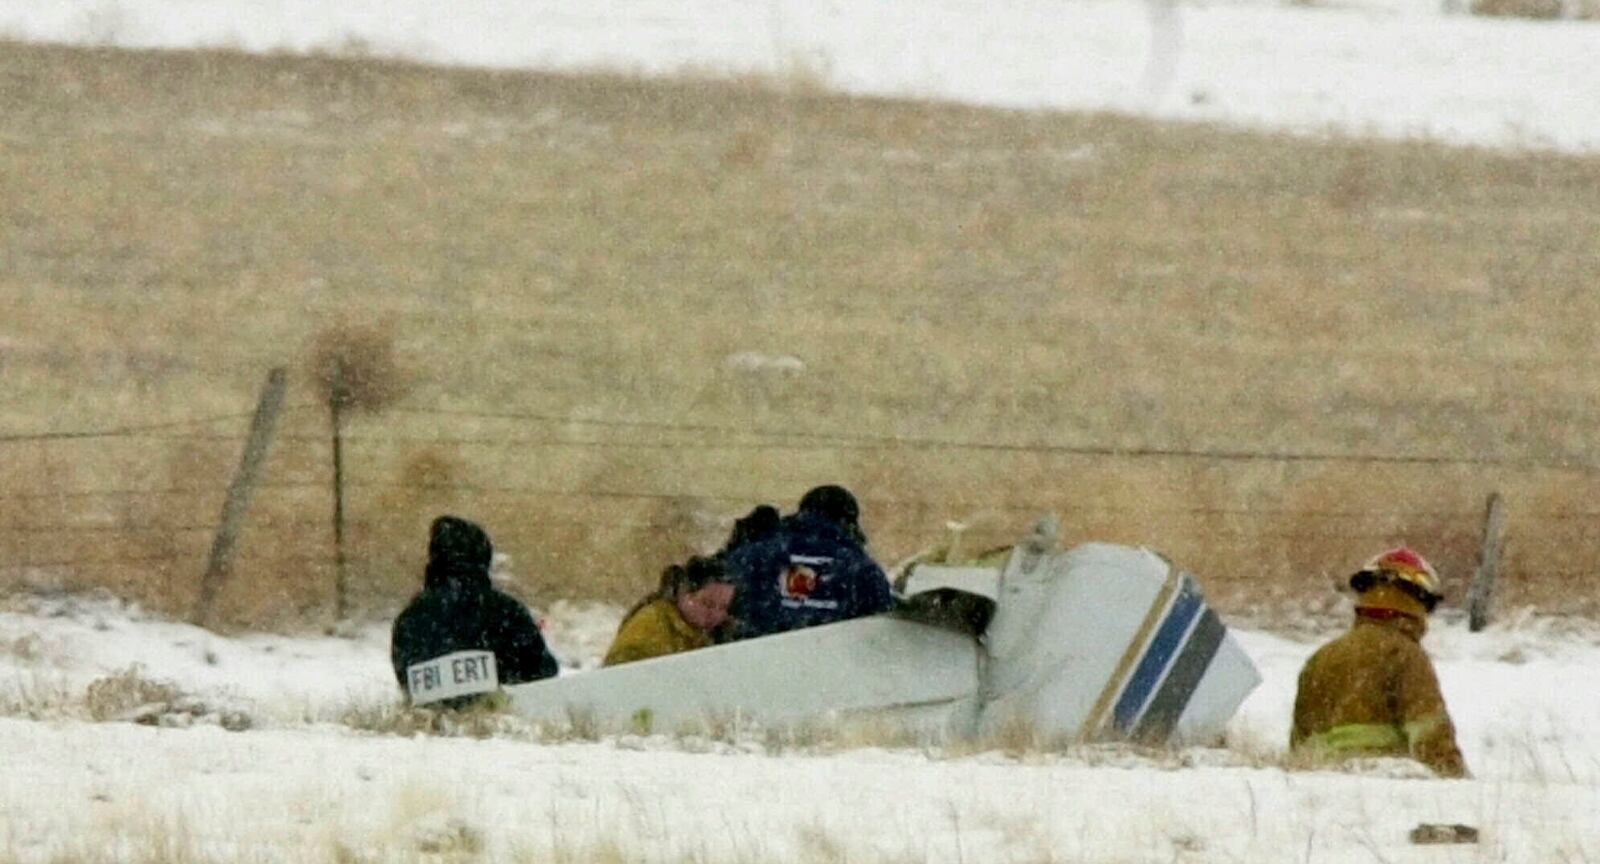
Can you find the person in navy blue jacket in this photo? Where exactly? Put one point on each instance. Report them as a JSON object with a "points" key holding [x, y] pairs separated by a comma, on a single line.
{"points": [[814, 569]]}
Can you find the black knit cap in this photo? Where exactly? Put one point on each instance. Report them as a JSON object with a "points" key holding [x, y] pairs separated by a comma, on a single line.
{"points": [[456, 543], [832, 502]]}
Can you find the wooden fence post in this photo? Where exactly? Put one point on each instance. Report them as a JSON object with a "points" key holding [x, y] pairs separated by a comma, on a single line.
{"points": [[1483, 579], [338, 395], [239, 493]]}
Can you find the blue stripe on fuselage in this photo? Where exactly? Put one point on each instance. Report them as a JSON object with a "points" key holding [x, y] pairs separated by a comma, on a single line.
{"points": [[1156, 657]]}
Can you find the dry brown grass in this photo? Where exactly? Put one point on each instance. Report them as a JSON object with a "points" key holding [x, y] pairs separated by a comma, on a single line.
{"points": [[38, 697], [354, 368], [113, 696], [1581, 10], [595, 247]]}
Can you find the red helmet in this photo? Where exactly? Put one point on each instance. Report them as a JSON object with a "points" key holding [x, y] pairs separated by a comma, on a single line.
{"points": [[1406, 570]]}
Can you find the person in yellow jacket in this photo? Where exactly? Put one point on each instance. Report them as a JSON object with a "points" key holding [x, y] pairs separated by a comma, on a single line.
{"points": [[679, 615], [1373, 691]]}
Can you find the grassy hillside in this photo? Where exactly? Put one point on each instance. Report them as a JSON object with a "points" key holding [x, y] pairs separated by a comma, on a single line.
{"points": [[530, 247]]}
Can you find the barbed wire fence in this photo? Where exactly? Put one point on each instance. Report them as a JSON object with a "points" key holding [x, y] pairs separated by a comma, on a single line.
{"points": [[78, 532]]}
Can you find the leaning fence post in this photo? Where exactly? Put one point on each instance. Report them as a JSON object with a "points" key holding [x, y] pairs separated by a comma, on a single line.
{"points": [[1482, 590], [239, 492]]}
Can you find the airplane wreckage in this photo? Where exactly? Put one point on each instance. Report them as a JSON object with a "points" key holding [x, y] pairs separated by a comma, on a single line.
{"points": [[1100, 642]]}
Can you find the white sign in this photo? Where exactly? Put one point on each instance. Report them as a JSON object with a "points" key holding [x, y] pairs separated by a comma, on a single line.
{"points": [[463, 673]]}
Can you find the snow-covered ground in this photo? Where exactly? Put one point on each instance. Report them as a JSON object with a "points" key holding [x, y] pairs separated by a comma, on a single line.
{"points": [[1388, 67], [299, 785]]}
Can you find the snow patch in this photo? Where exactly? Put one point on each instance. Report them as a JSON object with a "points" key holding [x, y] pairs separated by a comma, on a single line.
{"points": [[755, 362], [1392, 68]]}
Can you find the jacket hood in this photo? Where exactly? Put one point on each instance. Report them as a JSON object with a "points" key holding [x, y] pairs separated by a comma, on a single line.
{"points": [[459, 554], [812, 524], [832, 502]]}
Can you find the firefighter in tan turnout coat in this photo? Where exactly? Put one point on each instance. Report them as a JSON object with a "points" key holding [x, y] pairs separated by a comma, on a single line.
{"points": [[1373, 691]]}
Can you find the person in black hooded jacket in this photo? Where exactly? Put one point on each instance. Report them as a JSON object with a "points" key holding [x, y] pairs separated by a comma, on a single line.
{"points": [[459, 611]]}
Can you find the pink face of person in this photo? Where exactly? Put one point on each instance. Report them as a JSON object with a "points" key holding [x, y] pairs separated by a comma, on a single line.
{"points": [[707, 607]]}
